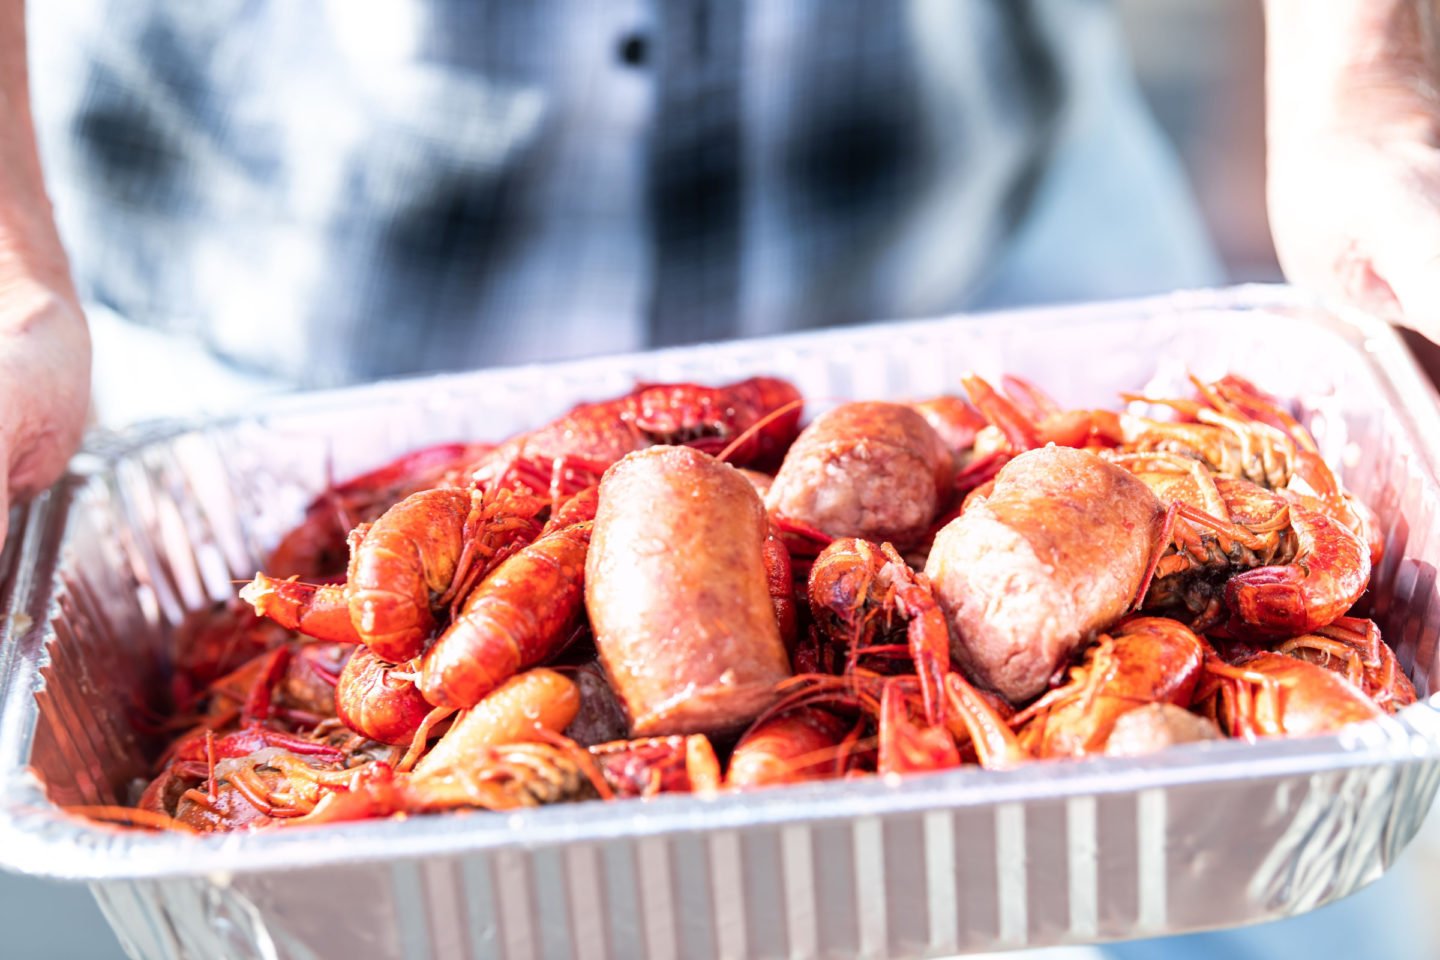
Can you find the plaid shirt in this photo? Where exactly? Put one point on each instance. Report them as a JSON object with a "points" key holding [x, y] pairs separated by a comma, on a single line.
{"points": [[332, 194]]}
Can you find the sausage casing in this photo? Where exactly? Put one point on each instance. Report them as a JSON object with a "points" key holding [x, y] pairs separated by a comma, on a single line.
{"points": [[676, 589], [877, 471], [1053, 554]]}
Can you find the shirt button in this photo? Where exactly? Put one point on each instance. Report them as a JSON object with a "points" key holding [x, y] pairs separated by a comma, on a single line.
{"points": [[634, 49]]}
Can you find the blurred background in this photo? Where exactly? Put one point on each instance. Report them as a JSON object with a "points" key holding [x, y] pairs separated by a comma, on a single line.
{"points": [[1200, 64], [1200, 67]]}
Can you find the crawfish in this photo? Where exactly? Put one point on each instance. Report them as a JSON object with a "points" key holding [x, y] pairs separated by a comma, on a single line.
{"points": [[257, 775], [1029, 419], [505, 777], [800, 744], [1025, 418], [679, 763], [227, 795], [894, 706], [1280, 567], [1214, 527], [957, 423], [506, 752], [1324, 578], [1273, 695], [858, 591], [244, 779], [535, 700], [422, 555], [315, 548], [551, 769], [279, 788], [380, 700], [1239, 431], [204, 745], [1227, 444], [1143, 661], [518, 617], [760, 416], [1353, 648]]}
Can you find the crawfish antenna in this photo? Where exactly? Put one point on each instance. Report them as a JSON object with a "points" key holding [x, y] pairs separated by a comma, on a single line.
{"points": [[750, 432]]}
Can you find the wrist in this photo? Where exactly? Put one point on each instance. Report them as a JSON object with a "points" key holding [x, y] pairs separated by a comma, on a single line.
{"points": [[31, 258]]}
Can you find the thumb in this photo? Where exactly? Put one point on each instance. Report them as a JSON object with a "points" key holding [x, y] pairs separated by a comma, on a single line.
{"points": [[1415, 284], [4, 501], [1405, 257]]}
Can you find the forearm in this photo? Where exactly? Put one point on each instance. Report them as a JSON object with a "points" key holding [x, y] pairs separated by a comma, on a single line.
{"points": [[44, 346], [30, 248]]}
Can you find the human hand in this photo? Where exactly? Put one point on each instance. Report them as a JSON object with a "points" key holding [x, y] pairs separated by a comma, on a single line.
{"points": [[44, 385], [1354, 154]]}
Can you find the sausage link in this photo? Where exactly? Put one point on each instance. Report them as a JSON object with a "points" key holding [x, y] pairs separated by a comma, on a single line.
{"points": [[675, 585], [1030, 572], [877, 471]]}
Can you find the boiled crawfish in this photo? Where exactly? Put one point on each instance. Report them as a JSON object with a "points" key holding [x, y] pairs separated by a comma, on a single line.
{"points": [[759, 416], [422, 555], [315, 548], [861, 594], [1273, 695], [1353, 648], [1143, 661]]}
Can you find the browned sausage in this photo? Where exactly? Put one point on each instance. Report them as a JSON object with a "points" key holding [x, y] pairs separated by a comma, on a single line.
{"points": [[675, 585], [876, 471], [1030, 572]]}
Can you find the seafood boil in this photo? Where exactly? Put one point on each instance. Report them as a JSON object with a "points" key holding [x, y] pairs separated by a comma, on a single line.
{"points": [[682, 590]]}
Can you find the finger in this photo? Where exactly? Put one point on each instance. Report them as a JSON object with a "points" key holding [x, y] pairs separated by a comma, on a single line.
{"points": [[1415, 282], [1355, 280], [1405, 244]]}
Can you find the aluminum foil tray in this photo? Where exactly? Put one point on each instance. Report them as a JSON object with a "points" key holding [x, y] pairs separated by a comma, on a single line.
{"points": [[160, 521]]}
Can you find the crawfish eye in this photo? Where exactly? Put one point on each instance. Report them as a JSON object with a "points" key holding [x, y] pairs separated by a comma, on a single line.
{"points": [[689, 434]]}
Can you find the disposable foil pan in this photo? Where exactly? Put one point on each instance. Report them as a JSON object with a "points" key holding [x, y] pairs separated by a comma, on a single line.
{"points": [[158, 522]]}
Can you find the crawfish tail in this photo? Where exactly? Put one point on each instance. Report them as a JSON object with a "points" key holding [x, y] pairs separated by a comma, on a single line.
{"points": [[373, 702], [520, 616], [522, 708], [1330, 571], [406, 561], [793, 746]]}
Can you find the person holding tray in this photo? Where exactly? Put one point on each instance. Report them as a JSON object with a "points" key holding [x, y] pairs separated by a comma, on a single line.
{"points": [[316, 194]]}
